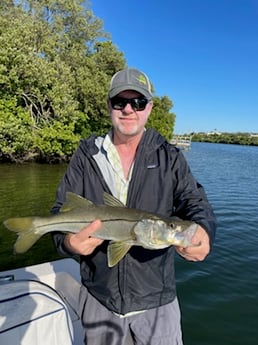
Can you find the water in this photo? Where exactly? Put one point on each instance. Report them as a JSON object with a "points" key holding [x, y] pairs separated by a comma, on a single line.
{"points": [[26, 190], [218, 297]]}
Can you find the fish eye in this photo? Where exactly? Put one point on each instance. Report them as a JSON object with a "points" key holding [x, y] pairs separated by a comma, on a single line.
{"points": [[172, 225]]}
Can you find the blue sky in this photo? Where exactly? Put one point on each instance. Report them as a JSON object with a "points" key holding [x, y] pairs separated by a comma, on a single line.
{"points": [[202, 54]]}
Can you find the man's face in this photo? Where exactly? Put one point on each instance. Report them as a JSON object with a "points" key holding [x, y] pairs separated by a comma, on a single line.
{"points": [[129, 121]]}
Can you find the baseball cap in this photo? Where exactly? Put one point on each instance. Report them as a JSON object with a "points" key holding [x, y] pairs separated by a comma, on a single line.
{"points": [[130, 79]]}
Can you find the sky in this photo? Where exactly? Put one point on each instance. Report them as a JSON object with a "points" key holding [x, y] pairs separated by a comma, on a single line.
{"points": [[202, 54]]}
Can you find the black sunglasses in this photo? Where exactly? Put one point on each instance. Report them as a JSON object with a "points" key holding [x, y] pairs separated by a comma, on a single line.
{"points": [[137, 103]]}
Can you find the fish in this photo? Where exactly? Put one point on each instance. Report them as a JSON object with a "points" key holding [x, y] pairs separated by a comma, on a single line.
{"points": [[124, 227]]}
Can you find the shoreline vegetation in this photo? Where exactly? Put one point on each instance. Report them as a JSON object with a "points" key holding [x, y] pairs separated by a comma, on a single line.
{"points": [[238, 138]]}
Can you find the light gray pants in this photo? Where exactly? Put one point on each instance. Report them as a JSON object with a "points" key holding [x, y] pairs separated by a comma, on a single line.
{"points": [[159, 326]]}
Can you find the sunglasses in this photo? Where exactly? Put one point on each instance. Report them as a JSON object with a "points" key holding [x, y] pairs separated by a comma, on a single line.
{"points": [[137, 103]]}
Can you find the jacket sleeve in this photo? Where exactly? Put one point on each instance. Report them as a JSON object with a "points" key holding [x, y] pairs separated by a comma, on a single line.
{"points": [[190, 199]]}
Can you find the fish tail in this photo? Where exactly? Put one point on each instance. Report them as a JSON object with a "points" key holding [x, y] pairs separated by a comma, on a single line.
{"points": [[26, 230]]}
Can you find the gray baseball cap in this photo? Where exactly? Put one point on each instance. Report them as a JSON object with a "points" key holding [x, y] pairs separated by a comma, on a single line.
{"points": [[130, 79]]}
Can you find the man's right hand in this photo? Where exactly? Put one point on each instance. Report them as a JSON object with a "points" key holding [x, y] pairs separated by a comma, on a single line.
{"points": [[83, 243]]}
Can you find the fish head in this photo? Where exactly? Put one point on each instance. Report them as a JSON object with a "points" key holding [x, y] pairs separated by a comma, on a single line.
{"points": [[157, 233]]}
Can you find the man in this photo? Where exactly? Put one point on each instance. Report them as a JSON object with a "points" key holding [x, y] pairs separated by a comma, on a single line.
{"points": [[144, 171]]}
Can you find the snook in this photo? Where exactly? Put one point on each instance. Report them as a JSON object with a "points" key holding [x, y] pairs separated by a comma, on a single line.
{"points": [[124, 227]]}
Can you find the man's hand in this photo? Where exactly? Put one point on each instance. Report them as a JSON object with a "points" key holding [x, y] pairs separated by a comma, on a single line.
{"points": [[200, 248], [82, 243]]}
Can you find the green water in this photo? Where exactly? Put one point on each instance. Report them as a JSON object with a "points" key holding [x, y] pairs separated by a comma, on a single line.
{"points": [[26, 190]]}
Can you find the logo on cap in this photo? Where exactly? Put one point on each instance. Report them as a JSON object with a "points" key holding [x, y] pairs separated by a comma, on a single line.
{"points": [[142, 79]]}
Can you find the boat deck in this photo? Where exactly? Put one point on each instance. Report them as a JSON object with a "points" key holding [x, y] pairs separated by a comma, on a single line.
{"points": [[61, 275]]}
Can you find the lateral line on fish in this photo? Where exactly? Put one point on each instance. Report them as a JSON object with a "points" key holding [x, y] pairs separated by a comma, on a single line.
{"points": [[87, 222]]}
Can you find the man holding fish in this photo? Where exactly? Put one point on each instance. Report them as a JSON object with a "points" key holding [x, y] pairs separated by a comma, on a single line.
{"points": [[141, 170]]}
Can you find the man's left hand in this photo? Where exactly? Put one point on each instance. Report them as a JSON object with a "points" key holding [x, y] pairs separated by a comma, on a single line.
{"points": [[200, 248]]}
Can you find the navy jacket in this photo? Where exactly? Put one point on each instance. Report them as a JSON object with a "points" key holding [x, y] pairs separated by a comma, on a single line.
{"points": [[161, 183]]}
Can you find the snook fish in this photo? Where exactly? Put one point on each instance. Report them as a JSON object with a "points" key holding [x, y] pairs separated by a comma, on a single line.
{"points": [[124, 227]]}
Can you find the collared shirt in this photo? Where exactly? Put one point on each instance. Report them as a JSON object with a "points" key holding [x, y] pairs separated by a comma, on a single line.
{"points": [[110, 164]]}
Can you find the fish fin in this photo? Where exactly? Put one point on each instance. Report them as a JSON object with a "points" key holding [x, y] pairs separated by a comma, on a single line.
{"points": [[116, 252], [26, 231], [110, 200], [74, 201]]}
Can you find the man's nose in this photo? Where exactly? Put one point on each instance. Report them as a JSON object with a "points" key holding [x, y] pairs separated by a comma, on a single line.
{"points": [[128, 109]]}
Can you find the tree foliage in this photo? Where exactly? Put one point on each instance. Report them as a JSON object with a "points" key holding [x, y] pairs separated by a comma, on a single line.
{"points": [[56, 62], [161, 117], [15, 130]]}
